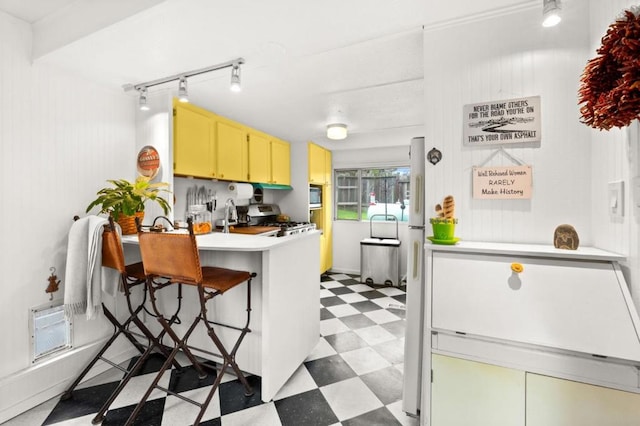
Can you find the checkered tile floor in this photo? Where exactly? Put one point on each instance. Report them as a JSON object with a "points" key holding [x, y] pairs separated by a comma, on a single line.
{"points": [[353, 377]]}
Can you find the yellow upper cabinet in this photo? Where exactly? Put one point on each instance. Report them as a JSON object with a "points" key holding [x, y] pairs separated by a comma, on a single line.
{"points": [[259, 157], [208, 145], [269, 159], [194, 142], [231, 150], [327, 167], [280, 162], [317, 164]]}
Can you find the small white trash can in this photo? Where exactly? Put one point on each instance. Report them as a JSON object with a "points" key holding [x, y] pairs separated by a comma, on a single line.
{"points": [[380, 258]]}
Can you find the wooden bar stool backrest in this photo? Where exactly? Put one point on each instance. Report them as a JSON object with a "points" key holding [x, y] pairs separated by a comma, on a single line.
{"points": [[112, 255], [171, 255]]}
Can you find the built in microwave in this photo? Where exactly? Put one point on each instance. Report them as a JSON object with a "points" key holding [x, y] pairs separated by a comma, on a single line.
{"points": [[315, 197]]}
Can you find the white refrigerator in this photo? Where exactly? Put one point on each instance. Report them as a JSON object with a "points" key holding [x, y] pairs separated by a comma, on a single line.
{"points": [[415, 282]]}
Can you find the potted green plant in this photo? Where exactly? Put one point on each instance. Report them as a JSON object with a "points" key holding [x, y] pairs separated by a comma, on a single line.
{"points": [[125, 200]]}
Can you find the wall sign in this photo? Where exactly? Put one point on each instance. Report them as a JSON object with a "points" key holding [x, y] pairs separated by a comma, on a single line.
{"points": [[502, 122], [513, 182]]}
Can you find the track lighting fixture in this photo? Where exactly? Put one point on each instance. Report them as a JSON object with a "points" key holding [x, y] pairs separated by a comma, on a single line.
{"points": [[182, 78], [337, 131], [183, 96], [142, 101], [235, 78], [551, 13]]}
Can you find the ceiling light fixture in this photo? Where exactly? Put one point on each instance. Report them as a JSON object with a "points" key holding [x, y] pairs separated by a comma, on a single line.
{"points": [[142, 101], [235, 78], [551, 13], [183, 96], [182, 78], [337, 131]]}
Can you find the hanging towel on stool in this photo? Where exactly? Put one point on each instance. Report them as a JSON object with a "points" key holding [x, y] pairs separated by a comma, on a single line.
{"points": [[85, 277]]}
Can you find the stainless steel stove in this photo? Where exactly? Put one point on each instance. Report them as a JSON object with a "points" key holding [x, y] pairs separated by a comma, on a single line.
{"points": [[292, 228], [267, 215]]}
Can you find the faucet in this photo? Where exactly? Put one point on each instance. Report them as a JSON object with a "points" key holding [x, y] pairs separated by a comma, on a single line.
{"points": [[227, 209]]}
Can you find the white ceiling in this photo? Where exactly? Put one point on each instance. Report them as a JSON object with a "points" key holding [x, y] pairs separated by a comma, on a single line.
{"points": [[308, 62]]}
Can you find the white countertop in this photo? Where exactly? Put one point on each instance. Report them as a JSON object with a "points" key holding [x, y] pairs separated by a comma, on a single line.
{"points": [[538, 250], [235, 242]]}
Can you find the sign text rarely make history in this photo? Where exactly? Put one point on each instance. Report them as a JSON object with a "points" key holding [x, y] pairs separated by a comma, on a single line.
{"points": [[502, 182]]}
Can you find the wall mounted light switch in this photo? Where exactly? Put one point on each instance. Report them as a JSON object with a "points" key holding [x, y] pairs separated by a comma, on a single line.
{"points": [[616, 199]]}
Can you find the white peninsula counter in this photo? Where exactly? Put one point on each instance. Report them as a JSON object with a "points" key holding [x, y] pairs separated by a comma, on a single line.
{"points": [[285, 297]]}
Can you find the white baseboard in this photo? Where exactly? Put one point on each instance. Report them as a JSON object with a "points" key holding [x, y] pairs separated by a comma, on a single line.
{"points": [[32, 386], [343, 271]]}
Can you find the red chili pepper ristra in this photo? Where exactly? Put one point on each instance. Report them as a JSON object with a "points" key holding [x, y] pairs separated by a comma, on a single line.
{"points": [[610, 84]]}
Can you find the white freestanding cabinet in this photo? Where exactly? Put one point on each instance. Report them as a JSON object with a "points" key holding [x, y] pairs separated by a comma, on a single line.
{"points": [[525, 334]]}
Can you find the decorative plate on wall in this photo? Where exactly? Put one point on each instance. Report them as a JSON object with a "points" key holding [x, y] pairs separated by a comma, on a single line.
{"points": [[148, 162]]}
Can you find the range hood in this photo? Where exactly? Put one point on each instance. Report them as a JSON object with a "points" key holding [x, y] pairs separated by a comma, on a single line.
{"points": [[270, 186]]}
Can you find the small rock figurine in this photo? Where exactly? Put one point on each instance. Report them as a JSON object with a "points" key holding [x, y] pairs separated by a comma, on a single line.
{"points": [[566, 237]]}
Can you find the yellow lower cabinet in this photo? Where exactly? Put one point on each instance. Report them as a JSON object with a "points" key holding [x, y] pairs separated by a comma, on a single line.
{"points": [[557, 402], [467, 393], [327, 213]]}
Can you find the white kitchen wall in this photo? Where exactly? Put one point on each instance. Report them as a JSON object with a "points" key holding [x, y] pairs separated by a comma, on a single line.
{"points": [[505, 56], [61, 138], [611, 162]]}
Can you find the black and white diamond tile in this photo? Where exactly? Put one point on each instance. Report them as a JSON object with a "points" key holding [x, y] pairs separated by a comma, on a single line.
{"points": [[353, 376]]}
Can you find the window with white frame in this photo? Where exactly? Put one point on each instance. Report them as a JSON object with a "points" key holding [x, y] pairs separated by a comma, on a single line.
{"points": [[361, 194]]}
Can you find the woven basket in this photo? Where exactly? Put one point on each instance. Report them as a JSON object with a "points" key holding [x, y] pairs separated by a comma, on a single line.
{"points": [[128, 223]]}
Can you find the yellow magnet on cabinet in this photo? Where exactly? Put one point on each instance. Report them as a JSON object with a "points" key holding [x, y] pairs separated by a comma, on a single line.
{"points": [[517, 267]]}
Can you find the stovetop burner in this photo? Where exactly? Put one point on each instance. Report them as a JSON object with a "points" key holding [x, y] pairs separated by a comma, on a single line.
{"points": [[290, 228]]}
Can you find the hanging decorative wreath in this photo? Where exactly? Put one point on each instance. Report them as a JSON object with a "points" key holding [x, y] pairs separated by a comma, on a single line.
{"points": [[610, 83]]}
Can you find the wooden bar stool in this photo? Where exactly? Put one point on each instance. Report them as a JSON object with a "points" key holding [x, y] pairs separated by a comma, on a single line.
{"points": [[172, 258], [131, 276]]}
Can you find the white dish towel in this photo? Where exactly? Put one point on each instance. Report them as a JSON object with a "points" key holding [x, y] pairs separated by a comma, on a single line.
{"points": [[85, 278]]}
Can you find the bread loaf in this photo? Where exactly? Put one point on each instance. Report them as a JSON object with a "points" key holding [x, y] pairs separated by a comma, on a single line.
{"points": [[448, 207]]}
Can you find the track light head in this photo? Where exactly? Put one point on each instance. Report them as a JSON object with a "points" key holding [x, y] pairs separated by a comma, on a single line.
{"points": [[235, 78], [183, 96], [551, 13], [142, 100]]}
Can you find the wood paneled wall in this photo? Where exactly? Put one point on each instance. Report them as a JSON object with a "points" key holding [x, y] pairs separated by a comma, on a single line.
{"points": [[503, 57], [61, 138], [611, 162]]}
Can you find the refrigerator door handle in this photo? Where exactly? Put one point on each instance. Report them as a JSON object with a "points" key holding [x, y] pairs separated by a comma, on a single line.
{"points": [[419, 191], [416, 259]]}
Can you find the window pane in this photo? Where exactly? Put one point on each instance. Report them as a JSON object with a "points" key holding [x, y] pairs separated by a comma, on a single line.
{"points": [[347, 195], [361, 193], [386, 192]]}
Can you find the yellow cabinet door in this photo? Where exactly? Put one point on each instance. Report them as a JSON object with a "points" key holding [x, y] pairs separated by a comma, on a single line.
{"points": [[231, 150], [317, 169], [557, 402], [467, 393], [327, 213], [280, 162], [193, 143], [327, 167], [259, 158]]}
